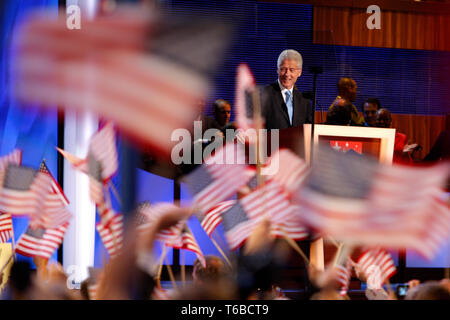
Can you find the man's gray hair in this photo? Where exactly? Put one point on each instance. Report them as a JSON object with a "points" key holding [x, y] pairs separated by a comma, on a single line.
{"points": [[290, 54]]}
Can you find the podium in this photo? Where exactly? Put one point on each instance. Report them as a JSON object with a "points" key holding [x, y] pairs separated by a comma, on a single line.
{"points": [[378, 142]]}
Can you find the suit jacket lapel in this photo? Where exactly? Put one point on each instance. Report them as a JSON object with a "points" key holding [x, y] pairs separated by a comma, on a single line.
{"points": [[296, 117]]}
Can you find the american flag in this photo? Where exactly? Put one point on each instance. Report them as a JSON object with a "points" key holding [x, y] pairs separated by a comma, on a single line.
{"points": [[101, 163], [237, 225], [147, 215], [41, 242], [55, 211], [218, 178], [186, 241], [355, 199], [377, 258], [6, 227], [23, 191], [106, 67], [213, 217], [266, 201], [287, 169], [110, 231]]}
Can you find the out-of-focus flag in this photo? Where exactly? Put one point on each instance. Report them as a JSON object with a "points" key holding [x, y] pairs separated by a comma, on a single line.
{"points": [[23, 191], [214, 216], [55, 211], [41, 242], [291, 227], [15, 157], [357, 200], [287, 169], [102, 160], [237, 225], [377, 260], [268, 200], [272, 201], [222, 174], [149, 214], [6, 227], [144, 72], [245, 83], [185, 240], [101, 163], [111, 232]]}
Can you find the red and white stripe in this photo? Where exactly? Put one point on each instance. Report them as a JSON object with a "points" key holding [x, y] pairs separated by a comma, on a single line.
{"points": [[227, 168], [92, 291], [44, 247], [344, 276], [213, 217], [6, 227], [291, 227], [287, 169], [187, 241], [14, 157], [379, 258], [268, 200], [103, 147], [125, 84], [111, 234], [239, 233], [55, 211]]}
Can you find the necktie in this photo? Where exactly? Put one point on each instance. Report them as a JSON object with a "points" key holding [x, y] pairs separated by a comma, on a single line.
{"points": [[290, 108]]}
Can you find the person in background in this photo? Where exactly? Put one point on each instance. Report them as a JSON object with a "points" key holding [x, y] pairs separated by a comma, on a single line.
{"points": [[222, 112], [384, 120], [347, 90], [370, 108], [340, 113]]}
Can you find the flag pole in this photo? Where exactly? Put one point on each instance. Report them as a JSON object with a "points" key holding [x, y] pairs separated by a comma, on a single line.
{"points": [[108, 199], [295, 246], [115, 192], [183, 269], [13, 242], [220, 250], [163, 255], [169, 269]]}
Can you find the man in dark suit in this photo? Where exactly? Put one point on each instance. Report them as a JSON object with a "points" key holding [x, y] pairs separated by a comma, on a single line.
{"points": [[283, 106]]}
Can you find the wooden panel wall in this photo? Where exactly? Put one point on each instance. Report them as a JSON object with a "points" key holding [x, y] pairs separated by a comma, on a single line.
{"points": [[423, 130], [399, 29]]}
